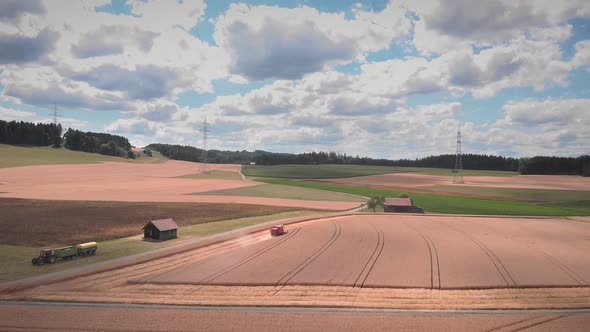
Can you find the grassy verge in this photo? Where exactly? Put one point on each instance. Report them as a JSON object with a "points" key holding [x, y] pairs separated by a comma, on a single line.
{"points": [[285, 191], [454, 204], [14, 156], [344, 171], [16, 260], [218, 175]]}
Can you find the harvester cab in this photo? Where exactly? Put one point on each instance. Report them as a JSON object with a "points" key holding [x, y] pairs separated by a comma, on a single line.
{"points": [[277, 230]]}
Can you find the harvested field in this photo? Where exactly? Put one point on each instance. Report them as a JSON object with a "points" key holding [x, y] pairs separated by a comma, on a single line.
{"points": [[130, 182], [408, 181], [435, 252], [52, 223], [376, 261]]}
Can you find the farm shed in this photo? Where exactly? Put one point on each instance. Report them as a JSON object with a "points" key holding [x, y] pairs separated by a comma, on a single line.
{"points": [[163, 229], [400, 205]]}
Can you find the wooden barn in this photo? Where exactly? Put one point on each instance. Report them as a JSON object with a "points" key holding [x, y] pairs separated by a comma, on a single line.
{"points": [[400, 205], [163, 229]]}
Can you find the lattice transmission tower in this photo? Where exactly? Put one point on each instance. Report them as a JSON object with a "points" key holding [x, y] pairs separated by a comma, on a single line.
{"points": [[205, 131], [457, 171], [55, 115]]}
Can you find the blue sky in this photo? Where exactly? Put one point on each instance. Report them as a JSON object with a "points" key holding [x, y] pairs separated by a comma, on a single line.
{"points": [[387, 79]]}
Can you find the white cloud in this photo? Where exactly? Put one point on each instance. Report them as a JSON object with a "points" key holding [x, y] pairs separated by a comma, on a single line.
{"points": [[448, 24], [73, 55], [281, 43], [564, 112]]}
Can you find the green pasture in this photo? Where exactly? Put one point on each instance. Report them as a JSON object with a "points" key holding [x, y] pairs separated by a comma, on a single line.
{"points": [[532, 195], [16, 156], [454, 204], [345, 171], [287, 192]]}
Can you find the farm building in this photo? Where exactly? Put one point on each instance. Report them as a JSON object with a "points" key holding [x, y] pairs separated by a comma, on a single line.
{"points": [[163, 229], [400, 205]]}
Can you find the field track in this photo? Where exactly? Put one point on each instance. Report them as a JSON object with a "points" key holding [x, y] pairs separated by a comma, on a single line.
{"points": [[375, 261]]}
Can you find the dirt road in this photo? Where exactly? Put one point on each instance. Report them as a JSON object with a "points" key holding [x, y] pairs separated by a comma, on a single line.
{"points": [[91, 317]]}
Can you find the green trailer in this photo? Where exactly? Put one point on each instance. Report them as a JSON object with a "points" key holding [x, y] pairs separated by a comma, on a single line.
{"points": [[88, 248], [52, 255]]}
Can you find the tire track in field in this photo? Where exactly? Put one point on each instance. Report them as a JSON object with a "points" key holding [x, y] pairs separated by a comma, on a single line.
{"points": [[174, 261], [296, 270], [580, 280], [555, 261], [247, 259], [137, 271], [527, 323], [435, 282], [495, 260], [366, 271]]}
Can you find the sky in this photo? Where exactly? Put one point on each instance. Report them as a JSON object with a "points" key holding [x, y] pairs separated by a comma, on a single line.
{"points": [[384, 79]]}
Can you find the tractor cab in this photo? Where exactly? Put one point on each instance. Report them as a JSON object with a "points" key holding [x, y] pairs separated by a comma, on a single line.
{"points": [[45, 256]]}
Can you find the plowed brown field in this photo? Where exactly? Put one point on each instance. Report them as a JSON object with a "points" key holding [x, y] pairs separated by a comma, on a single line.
{"points": [[136, 183], [395, 261]]}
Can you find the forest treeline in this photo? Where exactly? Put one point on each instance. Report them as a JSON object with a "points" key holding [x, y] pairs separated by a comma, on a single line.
{"points": [[555, 165], [40, 134], [107, 144], [28, 133], [535, 165]]}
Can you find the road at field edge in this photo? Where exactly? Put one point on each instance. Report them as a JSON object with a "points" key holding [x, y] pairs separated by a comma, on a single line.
{"points": [[48, 316]]}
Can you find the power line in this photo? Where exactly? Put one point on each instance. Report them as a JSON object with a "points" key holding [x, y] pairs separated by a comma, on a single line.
{"points": [[457, 175], [205, 131]]}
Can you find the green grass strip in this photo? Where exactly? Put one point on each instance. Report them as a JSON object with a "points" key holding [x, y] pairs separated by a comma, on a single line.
{"points": [[345, 171], [454, 204]]}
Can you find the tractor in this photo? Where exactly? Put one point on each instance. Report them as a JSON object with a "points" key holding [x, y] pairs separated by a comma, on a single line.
{"points": [[277, 230], [52, 255]]}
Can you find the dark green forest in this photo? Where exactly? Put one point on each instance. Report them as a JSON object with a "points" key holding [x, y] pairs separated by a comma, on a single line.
{"points": [[27, 133], [107, 144]]}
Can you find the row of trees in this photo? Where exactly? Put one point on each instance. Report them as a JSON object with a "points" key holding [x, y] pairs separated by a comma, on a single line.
{"points": [[555, 165], [107, 144], [190, 153], [469, 161], [28, 133]]}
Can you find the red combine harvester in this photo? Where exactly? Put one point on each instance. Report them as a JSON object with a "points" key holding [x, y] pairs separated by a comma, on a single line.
{"points": [[277, 230]]}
